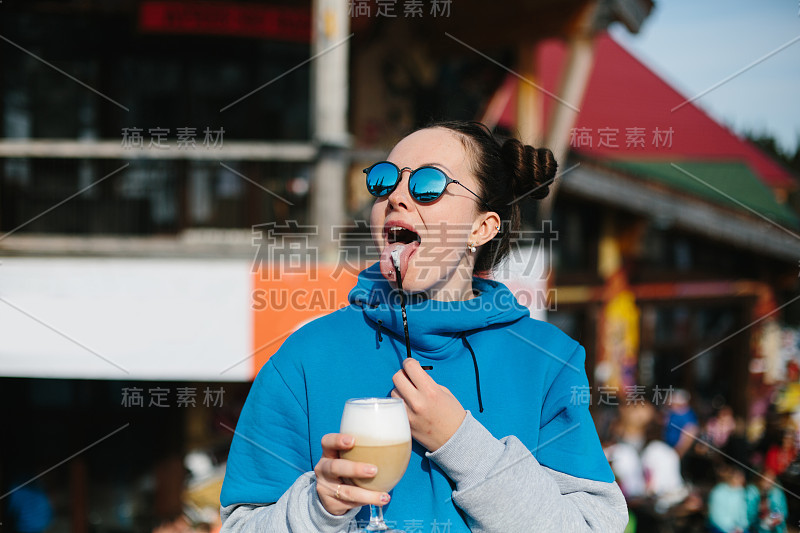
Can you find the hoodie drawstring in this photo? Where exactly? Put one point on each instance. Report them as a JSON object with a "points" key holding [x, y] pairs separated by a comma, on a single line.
{"points": [[466, 343], [477, 374]]}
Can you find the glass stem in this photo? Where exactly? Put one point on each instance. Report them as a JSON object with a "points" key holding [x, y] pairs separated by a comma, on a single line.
{"points": [[376, 522]]}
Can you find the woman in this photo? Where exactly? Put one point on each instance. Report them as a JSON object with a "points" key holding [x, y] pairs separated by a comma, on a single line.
{"points": [[727, 502], [766, 504], [662, 469], [780, 456], [498, 443]]}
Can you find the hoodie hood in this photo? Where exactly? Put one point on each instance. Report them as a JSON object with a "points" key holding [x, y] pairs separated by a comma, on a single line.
{"points": [[433, 325]]}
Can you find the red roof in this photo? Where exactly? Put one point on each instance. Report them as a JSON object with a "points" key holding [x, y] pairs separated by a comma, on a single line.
{"points": [[627, 113]]}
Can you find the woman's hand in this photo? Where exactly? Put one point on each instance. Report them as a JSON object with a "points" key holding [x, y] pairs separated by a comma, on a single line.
{"points": [[433, 412], [336, 495]]}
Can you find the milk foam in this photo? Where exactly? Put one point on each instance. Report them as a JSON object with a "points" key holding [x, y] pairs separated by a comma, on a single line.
{"points": [[376, 421]]}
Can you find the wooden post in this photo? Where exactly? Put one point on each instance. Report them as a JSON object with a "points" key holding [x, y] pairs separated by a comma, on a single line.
{"points": [[169, 475], [183, 218], [580, 58], [79, 499], [529, 98], [329, 95], [3, 187]]}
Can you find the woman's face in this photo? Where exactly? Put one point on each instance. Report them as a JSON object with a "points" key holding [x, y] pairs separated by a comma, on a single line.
{"points": [[441, 265]]}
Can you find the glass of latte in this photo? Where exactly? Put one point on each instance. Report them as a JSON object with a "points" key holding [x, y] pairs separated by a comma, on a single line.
{"points": [[382, 438]]}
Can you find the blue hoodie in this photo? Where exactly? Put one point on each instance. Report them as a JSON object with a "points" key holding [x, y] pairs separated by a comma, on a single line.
{"points": [[517, 376]]}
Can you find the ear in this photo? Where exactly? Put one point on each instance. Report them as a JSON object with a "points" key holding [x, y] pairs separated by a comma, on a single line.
{"points": [[485, 227]]}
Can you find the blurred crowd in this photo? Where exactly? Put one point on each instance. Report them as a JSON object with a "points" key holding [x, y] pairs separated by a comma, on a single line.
{"points": [[29, 508], [691, 467], [686, 465]]}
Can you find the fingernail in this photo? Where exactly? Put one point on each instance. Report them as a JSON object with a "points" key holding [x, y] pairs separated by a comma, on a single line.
{"points": [[347, 441], [384, 498], [371, 470]]}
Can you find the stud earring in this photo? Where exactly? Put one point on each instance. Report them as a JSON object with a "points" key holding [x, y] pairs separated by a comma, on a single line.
{"points": [[471, 247]]}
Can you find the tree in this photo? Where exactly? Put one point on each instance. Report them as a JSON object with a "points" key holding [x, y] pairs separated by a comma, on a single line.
{"points": [[769, 145]]}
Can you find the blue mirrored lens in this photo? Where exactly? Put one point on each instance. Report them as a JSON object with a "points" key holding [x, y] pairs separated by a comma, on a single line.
{"points": [[427, 184], [382, 179]]}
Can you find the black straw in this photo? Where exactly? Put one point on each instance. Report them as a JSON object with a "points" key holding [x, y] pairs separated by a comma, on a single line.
{"points": [[403, 310]]}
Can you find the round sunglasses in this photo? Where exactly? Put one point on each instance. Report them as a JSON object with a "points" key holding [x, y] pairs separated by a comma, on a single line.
{"points": [[426, 184]]}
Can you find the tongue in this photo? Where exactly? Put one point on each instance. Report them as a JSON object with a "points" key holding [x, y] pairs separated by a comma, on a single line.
{"points": [[387, 265]]}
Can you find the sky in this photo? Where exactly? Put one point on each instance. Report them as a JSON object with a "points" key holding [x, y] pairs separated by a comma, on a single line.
{"points": [[696, 44]]}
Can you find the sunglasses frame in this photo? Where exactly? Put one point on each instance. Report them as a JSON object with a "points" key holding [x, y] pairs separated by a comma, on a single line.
{"points": [[448, 181]]}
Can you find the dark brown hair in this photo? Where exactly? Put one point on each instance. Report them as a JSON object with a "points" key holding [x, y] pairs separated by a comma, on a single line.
{"points": [[507, 171]]}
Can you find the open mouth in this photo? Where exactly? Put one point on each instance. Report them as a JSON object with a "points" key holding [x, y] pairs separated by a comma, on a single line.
{"points": [[402, 242], [398, 234]]}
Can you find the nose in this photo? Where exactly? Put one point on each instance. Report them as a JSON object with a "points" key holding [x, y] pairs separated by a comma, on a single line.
{"points": [[400, 196]]}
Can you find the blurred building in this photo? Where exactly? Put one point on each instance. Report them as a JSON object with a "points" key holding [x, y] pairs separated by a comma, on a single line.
{"points": [[181, 188], [135, 158], [675, 259]]}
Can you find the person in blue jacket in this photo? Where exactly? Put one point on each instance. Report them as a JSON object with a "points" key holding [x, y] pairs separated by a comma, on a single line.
{"points": [[499, 441]]}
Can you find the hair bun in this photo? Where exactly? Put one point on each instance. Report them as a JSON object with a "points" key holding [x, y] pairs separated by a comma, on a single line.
{"points": [[531, 169]]}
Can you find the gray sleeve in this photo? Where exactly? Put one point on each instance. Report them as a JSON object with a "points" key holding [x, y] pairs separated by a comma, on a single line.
{"points": [[299, 510], [500, 486]]}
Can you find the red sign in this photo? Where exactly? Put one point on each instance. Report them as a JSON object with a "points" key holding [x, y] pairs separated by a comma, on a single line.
{"points": [[243, 20]]}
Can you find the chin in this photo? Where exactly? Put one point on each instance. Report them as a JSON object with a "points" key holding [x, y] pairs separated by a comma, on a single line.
{"points": [[430, 284]]}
